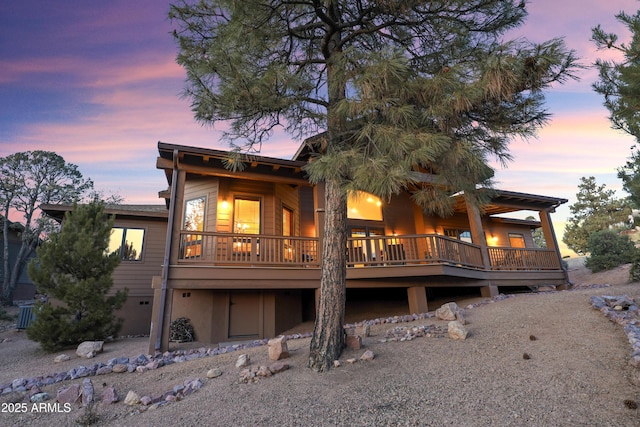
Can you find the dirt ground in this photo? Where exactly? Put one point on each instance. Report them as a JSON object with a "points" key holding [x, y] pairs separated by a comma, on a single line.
{"points": [[576, 373]]}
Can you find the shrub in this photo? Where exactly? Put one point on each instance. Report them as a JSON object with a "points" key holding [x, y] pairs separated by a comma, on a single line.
{"points": [[608, 250], [74, 268]]}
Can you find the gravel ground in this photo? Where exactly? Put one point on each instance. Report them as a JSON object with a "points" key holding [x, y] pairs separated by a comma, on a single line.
{"points": [[577, 373]]}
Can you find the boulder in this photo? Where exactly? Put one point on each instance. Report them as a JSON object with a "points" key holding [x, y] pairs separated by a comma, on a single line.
{"points": [[87, 392], [132, 398], [447, 311], [214, 373], [278, 367], [353, 342], [69, 394], [278, 348], [119, 368], [89, 349], [109, 395], [243, 361], [61, 358], [457, 331], [367, 356], [363, 330]]}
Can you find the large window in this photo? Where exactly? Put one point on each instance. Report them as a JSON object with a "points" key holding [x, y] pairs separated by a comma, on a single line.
{"points": [[361, 205], [194, 214], [193, 221], [246, 216], [127, 242]]}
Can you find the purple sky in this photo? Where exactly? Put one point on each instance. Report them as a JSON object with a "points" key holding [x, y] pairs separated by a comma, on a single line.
{"points": [[97, 83]]}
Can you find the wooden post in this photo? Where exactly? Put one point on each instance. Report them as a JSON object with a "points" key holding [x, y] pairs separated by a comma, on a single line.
{"points": [[417, 299]]}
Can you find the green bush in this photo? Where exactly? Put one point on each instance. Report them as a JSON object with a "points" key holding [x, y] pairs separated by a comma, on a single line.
{"points": [[608, 250], [74, 268]]}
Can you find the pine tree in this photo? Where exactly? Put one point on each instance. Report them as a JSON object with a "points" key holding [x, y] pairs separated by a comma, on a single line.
{"points": [[403, 90], [74, 270], [595, 210]]}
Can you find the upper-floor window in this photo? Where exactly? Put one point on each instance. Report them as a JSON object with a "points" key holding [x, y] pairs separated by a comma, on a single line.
{"points": [[516, 240], [361, 205], [246, 216], [194, 214], [128, 242]]}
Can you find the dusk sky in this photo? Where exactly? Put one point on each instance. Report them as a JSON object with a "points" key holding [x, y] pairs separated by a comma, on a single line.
{"points": [[97, 83]]}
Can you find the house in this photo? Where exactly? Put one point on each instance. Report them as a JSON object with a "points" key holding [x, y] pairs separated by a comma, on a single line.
{"points": [[139, 234], [25, 289], [244, 247]]}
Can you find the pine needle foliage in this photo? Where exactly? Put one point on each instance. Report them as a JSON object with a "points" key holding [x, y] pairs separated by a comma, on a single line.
{"points": [[406, 92], [75, 271]]}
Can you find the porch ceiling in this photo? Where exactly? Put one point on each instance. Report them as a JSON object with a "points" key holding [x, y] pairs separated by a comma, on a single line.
{"points": [[510, 201]]}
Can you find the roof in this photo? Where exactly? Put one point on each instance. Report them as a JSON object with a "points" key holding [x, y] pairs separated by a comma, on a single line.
{"points": [[152, 212], [503, 201], [207, 161]]}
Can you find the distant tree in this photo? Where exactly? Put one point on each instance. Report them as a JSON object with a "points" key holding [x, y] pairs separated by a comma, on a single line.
{"points": [[608, 249], [74, 269], [537, 234], [404, 90], [595, 210], [27, 180]]}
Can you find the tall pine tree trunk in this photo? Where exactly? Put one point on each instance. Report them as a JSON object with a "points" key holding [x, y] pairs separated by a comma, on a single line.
{"points": [[328, 335]]}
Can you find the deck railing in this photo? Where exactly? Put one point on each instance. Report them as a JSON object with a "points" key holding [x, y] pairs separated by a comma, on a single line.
{"points": [[213, 248], [412, 249], [523, 259], [248, 249]]}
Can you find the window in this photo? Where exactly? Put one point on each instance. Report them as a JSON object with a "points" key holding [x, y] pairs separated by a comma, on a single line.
{"points": [[127, 242], [287, 222], [246, 214], [516, 240], [193, 221], [194, 214], [463, 235], [361, 205]]}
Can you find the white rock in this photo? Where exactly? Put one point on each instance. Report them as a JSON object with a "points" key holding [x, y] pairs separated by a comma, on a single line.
{"points": [[367, 356], [89, 349], [243, 361], [61, 358], [457, 331], [214, 373], [447, 311], [132, 398]]}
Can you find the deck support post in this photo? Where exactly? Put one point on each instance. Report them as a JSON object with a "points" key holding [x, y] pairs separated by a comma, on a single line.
{"points": [[489, 291], [417, 296]]}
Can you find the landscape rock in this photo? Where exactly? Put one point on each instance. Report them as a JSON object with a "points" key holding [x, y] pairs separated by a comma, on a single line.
{"points": [[278, 348], [145, 400], [39, 397], [263, 371], [243, 361], [457, 331], [61, 358], [214, 373], [119, 368], [367, 356], [353, 342], [89, 349], [352, 361], [70, 394], [336, 364], [363, 330], [447, 311], [109, 395], [132, 398], [87, 392], [278, 367]]}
